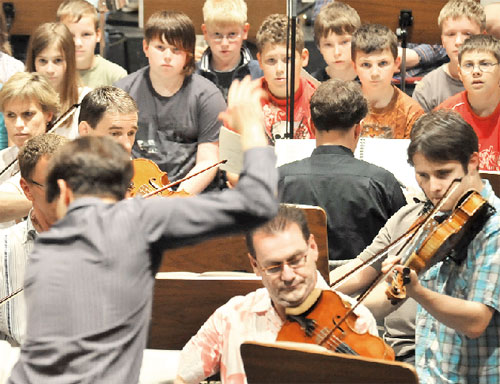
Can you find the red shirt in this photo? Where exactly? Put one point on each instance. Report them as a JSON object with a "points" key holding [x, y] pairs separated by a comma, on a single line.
{"points": [[275, 112], [486, 128]]}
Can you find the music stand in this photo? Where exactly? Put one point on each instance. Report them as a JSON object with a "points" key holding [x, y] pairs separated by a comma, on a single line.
{"points": [[275, 363]]}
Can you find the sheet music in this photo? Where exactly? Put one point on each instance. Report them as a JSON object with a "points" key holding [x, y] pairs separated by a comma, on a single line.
{"points": [[390, 154], [288, 151], [230, 150]]}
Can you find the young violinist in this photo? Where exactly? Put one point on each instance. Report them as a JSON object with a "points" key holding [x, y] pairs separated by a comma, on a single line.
{"points": [[89, 283], [457, 322], [284, 253]]}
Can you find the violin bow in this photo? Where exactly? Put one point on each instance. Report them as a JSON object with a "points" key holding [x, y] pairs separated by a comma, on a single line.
{"points": [[11, 296], [408, 235], [71, 110], [412, 232], [173, 184]]}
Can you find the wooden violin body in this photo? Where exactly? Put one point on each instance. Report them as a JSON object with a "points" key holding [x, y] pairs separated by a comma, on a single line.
{"points": [[323, 324], [149, 178], [439, 239]]}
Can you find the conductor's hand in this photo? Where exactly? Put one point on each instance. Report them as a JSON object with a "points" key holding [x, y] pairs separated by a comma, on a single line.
{"points": [[244, 112]]}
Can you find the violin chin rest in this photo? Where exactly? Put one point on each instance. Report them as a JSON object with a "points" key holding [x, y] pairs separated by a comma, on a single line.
{"points": [[306, 305]]}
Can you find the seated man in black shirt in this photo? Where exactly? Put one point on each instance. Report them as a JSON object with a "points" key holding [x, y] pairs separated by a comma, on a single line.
{"points": [[358, 197]]}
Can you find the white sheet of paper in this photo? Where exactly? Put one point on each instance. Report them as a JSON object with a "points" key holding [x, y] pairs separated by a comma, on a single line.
{"points": [[293, 150], [230, 150], [390, 154]]}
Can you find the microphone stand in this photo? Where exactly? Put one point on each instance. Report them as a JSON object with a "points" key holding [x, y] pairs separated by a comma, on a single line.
{"points": [[290, 93], [405, 20]]}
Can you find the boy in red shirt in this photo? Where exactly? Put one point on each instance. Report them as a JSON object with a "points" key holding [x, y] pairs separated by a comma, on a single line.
{"points": [[479, 104]]}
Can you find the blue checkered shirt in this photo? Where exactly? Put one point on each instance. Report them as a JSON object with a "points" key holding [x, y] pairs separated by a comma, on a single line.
{"points": [[444, 355]]}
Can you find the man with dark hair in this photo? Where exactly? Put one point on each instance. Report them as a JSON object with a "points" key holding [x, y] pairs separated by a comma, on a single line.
{"points": [[16, 242], [455, 334], [358, 197], [89, 283], [178, 109], [284, 253], [109, 111]]}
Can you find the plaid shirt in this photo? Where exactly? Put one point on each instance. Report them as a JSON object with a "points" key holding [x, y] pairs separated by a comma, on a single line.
{"points": [[444, 355]]}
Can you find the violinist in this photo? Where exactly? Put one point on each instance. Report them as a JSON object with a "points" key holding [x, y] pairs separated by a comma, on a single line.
{"points": [[16, 242], [284, 253], [109, 111], [457, 323], [89, 282]]}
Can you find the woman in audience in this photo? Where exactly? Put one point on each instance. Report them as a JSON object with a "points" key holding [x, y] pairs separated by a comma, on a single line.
{"points": [[51, 52], [29, 104], [8, 66]]}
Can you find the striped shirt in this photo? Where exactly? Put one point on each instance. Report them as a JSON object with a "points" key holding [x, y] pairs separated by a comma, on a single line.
{"points": [[444, 355], [16, 244]]}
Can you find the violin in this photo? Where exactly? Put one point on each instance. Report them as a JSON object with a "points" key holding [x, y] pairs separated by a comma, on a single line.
{"points": [[326, 319], [148, 178], [440, 239]]}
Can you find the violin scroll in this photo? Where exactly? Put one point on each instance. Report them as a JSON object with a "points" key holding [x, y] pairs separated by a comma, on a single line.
{"points": [[397, 291]]}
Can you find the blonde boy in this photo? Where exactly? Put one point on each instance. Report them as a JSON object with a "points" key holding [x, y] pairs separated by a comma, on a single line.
{"points": [[479, 104], [225, 29], [273, 57], [458, 20], [333, 29], [82, 20], [392, 113]]}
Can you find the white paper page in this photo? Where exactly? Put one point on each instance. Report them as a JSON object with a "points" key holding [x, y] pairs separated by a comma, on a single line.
{"points": [[288, 151], [390, 154], [230, 150]]}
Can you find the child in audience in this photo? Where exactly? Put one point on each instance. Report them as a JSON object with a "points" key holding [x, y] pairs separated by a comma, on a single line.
{"points": [[333, 29], [225, 29], [479, 104], [51, 52], [458, 20], [178, 110], [392, 113], [273, 57], [8, 66], [81, 18]]}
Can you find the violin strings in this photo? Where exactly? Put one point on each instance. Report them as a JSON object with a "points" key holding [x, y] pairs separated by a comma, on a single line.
{"points": [[333, 342]]}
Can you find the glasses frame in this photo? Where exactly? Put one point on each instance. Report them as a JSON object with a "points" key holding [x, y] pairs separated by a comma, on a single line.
{"points": [[301, 258], [218, 39], [487, 67], [36, 183]]}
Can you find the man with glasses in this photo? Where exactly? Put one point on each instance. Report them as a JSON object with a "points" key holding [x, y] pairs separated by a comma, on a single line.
{"points": [[284, 253], [479, 104], [16, 242]]}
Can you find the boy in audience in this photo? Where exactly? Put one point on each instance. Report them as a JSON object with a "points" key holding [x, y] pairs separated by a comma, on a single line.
{"points": [[225, 29], [82, 20], [273, 57], [392, 113], [479, 104], [458, 20], [178, 109], [333, 29]]}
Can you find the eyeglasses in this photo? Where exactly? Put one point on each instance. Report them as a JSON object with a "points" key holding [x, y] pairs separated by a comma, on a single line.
{"points": [[295, 263], [36, 183], [231, 37], [484, 66]]}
